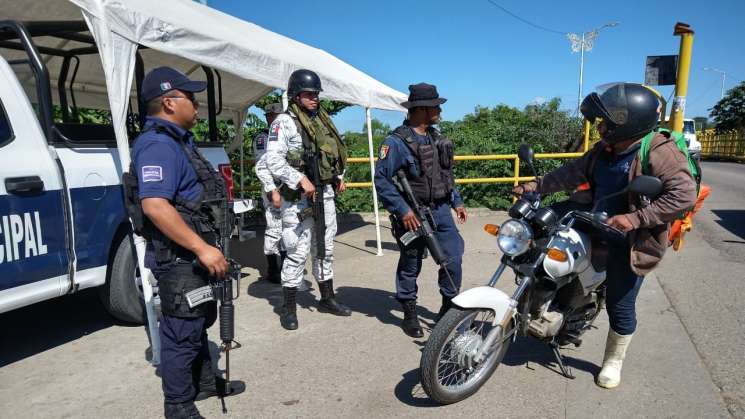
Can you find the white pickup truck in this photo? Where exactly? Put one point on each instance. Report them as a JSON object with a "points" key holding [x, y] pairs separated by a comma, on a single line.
{"points": [[63, 225]]}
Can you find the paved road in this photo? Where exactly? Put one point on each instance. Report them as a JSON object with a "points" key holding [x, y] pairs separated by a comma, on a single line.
{"points": [[705, 282], [66, 358]]}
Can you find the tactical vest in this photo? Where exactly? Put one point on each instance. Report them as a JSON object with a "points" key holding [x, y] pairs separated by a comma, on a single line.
{"points": [[208, 216], [435, 181], [321, 141]]}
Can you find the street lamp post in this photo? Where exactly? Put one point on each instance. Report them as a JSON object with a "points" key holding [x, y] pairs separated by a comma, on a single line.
{"points": [[724, 76], [582, 43]]}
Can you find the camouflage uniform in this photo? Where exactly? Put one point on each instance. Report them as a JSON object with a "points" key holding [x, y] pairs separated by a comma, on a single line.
{"points": [[285, 143]]}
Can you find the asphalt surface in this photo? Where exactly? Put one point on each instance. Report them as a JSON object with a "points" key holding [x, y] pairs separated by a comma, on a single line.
{"points": [[704, 281], [67, 358]]}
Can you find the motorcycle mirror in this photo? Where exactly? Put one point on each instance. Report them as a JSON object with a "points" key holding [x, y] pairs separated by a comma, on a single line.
{"points": [[648, 186], [525, 153]]}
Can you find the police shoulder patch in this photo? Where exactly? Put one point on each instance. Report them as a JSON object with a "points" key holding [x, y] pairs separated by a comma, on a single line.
{"points": [[383, 151], [152, 173], [274, 131]]}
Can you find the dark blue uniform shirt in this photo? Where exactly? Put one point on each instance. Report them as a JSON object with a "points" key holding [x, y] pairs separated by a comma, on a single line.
{"points": [[611, 174], [394, 155], [162, 167]]}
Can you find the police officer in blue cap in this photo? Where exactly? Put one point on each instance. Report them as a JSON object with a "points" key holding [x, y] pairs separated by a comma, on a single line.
{"points": [[180, 191], [426, 157]]}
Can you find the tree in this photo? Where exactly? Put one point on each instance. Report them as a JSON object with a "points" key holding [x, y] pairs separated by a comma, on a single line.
{"points": [[729, 112], [498, 130]]}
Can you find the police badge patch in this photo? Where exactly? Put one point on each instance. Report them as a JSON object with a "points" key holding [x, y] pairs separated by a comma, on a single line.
{"points": [[383, 151], [152, 173]]}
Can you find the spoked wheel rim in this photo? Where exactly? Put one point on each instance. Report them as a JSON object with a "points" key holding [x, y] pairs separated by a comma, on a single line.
{"points": [[457, 370]]}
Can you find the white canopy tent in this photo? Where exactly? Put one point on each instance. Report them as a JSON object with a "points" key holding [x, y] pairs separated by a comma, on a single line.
{"points": [[185, 35]]}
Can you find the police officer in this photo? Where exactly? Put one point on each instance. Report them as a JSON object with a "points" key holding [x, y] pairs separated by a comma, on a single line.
{"points": [[178, 190], [306, 130], [427, 159], [272, 199]]}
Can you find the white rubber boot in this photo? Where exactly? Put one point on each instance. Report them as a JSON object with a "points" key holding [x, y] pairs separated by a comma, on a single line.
{"points": [[615, 352]]}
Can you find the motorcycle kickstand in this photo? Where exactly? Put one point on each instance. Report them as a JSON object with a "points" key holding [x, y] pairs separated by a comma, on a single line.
{"points": [[565, 370]]}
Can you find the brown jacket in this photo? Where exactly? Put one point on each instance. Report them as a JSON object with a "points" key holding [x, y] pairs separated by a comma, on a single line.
{"points": [[651, 221]]}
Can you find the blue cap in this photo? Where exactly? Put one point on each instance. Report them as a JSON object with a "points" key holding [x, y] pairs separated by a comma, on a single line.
{"points": [[164, 79]]}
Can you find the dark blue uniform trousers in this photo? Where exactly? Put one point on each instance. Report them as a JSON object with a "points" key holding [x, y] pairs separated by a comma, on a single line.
{"points": [[184, 353], [622, 288], [410, 261]]}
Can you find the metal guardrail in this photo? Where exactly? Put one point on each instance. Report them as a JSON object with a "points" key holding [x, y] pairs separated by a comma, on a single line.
{"points": [[515, 180], [492, 157], [723, 145]]}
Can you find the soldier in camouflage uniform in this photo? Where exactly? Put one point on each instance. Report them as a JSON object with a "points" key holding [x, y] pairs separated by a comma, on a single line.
{"points": [[271, 199], [306, 129]]}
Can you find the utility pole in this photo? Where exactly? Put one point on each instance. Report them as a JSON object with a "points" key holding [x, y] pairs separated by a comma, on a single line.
{"points": [[724, 76], [582, 43]]}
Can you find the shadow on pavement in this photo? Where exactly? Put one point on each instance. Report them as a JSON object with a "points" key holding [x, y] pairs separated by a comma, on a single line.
{"points": [[349, 222], [384, 244], [525, 351], [409, 391], [732, 220], [31, 330], [379, 304]]}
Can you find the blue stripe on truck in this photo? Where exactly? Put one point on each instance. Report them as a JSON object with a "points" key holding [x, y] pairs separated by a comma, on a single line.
{"points": [[32, 238]]}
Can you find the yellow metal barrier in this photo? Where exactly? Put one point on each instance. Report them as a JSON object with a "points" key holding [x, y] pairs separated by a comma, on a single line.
{"points": [[725, 145], [511, 179]]}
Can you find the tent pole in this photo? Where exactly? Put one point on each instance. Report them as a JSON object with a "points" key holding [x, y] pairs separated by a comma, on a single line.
{"points": [[372, 177]]}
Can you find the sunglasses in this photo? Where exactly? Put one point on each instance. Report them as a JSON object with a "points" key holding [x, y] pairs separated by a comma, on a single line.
{"points": [[190, 96]]}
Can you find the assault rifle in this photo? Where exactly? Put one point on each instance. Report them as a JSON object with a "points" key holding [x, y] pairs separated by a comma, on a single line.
{"points": [[426, 229], [319, 221], [221, 289]]}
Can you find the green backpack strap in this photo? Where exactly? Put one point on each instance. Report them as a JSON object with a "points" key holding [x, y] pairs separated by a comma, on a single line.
{"points": [[644, 151], [679, 140]]}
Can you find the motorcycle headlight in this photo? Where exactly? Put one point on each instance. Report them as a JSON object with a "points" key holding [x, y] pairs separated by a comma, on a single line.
{"points": [[514, 237]]}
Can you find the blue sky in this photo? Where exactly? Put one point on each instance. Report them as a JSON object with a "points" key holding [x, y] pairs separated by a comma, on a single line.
{"points": [[478, 55]]}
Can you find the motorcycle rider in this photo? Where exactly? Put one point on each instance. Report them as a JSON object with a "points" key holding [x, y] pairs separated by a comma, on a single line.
{"points": [[271, 199], [306, 127], [426, 157], [627, 113]]}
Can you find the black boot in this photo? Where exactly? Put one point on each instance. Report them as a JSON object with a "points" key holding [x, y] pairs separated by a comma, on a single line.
{"points": [[274, 269], [288, 316], [410, 324], [186, 410], [447, 303], [216, 387], [328, 302]]}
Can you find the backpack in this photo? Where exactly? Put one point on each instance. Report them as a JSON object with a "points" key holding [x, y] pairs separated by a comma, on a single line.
{"points": [[684, 223], [680, 141]]}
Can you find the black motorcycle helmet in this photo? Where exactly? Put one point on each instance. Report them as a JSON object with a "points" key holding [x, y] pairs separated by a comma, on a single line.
{"points": [[303, 81], [629, 110]]}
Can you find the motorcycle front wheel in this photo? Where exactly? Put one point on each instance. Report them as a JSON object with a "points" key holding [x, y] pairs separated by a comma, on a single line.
{"points": [[448, 371]]}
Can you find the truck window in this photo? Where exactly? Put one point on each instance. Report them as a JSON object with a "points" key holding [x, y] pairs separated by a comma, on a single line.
{"points": [[689, 127], [6, 131]]}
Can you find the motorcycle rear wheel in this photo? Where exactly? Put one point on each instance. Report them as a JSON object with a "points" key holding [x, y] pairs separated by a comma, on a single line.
{"points": [[447, 372]]}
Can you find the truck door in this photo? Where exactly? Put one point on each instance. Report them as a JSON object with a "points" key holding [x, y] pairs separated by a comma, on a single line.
{"points": [[34, 261]]}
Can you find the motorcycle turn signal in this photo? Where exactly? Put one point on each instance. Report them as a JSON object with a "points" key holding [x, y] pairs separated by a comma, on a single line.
{"points": [[492, 229]]}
